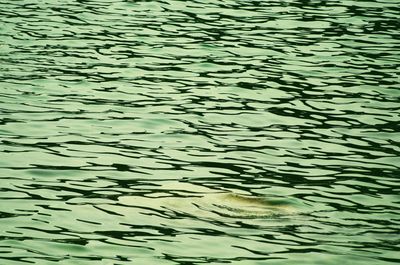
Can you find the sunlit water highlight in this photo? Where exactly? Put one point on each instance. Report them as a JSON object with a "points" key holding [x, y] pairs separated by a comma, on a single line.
{"points": [[190, 132]]}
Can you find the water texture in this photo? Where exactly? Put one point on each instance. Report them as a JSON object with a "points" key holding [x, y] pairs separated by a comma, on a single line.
{"points": [[123, 122]]}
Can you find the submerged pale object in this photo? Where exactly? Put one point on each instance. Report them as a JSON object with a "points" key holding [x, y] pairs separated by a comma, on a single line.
{"points": [[236, 205], [212, 204]]}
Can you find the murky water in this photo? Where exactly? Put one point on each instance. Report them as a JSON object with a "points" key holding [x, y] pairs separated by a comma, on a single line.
{"points": [[199, 132]]}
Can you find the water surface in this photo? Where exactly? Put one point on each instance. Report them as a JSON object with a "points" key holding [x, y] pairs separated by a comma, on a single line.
{"points": [[122, 121]]}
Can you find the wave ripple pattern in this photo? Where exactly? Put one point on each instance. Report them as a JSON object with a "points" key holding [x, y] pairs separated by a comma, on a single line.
{"points": [[199, 132]]}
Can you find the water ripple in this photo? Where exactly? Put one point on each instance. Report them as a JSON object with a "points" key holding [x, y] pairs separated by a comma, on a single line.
{"points": [[166, 132]]}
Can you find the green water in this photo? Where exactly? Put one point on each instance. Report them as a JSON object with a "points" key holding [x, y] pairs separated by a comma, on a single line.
{"points": [[123, 124]]}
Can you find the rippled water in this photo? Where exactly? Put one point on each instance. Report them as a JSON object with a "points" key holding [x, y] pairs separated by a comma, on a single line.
{"points": [[190, 132]]}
